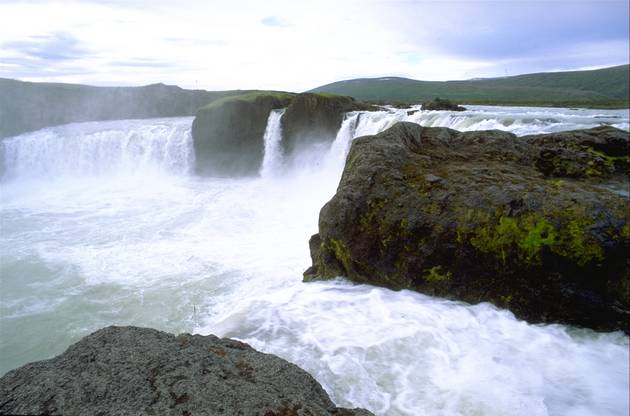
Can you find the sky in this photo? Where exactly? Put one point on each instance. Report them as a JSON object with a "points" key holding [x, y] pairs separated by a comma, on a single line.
{"points": [[297, 45]]}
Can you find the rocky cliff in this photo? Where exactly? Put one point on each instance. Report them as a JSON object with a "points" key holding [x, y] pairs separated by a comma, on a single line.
{"points": [[228, 133]]}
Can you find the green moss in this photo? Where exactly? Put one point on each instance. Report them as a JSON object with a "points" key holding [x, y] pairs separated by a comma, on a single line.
{"points": [[575, 243], [525, 238], [498, 239], [506, 299], [385, 241], [341, 253], [368, 220], [601, 163], [352, 158], [537, 233], [249, 97], [415, 178], [436, 275]]}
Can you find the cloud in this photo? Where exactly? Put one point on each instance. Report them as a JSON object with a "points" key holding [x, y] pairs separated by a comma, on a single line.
{"points": [[274, 21], [58, 46], [243, 43], [508, 29], [142, 63]]}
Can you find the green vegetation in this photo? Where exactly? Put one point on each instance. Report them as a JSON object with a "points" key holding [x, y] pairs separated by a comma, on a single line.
{"points": [[341, 253], [601, 88], [435, 275], [27, 106], [525, 238], [368, 220], [249, 97]]}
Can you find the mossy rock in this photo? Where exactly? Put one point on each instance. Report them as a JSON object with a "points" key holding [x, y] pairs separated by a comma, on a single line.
{"points": [[439, 104], [471, 216], [597, 152], [228, 133]]}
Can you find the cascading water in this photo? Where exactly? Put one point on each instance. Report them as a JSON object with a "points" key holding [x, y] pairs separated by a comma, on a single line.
{"points": [[116, 231], [92, 149], [272, 160], [518, 120], [339, 149]]}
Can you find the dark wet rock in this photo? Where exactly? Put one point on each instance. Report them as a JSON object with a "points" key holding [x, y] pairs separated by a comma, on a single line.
{"points": [[480, 216], [132, 371], [598, 152], [228, 133], [315, 118], [439, 104]]}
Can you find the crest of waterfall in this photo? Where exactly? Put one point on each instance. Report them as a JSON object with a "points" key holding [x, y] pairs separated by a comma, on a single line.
{"points": [[339, 148], [97, 148], [518, 120], [272, 160]]}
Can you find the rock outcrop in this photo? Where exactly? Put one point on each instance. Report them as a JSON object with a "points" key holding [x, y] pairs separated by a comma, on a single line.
{"points": [[133, 371], [525, 223], [313, 118], [439, 104], [228, 133]]}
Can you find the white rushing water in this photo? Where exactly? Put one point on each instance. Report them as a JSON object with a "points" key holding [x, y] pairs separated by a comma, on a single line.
{"points": [[102, 223], [272, 161]]}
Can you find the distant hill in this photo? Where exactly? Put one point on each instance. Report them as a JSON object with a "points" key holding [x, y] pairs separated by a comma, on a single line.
{"points": [[608, 87], [27, 106]]}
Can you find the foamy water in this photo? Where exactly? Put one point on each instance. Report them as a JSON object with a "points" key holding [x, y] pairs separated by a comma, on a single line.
{"points": [[102, 223]]}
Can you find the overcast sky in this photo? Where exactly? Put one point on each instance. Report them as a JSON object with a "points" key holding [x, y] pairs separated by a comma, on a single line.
{"points": [[297, 45]]}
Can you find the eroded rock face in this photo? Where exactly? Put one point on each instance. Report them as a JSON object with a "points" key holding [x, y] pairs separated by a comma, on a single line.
{"points": [[315, 118], [131, 371], [485, 216], [440, 104], [228, 133]]}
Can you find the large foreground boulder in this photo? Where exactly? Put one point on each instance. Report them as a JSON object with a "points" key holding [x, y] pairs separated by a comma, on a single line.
{"points": [[134, 371], [228, 133], [315, 118], [527, 223]]}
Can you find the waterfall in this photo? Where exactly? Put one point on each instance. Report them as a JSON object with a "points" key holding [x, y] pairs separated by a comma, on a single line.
{"points": [[518, 120], [185, 253], [272, 160], [339, 148], [99, 148]]}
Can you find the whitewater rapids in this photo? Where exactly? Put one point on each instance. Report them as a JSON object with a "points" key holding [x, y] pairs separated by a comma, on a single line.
{"points": [[103, 223]]}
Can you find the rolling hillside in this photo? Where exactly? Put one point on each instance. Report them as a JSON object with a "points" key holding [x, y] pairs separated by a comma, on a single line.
{"points": [[27, 106], [608, 87]]}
